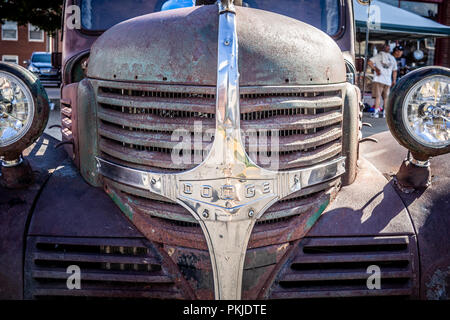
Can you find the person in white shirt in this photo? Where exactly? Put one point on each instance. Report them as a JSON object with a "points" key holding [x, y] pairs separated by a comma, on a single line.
{"points": [[385, 67]]}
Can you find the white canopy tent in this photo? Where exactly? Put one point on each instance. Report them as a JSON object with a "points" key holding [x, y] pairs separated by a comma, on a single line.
{"points": [[390, 23]]}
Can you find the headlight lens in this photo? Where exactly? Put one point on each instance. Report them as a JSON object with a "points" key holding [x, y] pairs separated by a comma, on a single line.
{"points": [[426, 111], [16, 109], [33, 68]]}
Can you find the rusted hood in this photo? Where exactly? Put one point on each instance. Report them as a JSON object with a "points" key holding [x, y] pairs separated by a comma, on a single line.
{"points": [[180, 46]]}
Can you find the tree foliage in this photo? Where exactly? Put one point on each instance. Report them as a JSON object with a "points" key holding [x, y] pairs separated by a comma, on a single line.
{"points": [[44, 14]]}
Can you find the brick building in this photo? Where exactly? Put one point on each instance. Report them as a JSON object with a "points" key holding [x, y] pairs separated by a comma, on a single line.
{"points": [[17, 43]]}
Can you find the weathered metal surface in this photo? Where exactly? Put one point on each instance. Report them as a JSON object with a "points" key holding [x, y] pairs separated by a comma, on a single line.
{"points": [[411, 177], [87, 132], [90, 222], [288, 46], [179, 231], [88, 214], [74, 41], [428, 211], [138, 121], [228, 219], [187, 246], [110, 268], [369, 206], [69, 121], [15, 209], [228, 95], [16, 177], [68, 206], [351, 132], [337, 267]]}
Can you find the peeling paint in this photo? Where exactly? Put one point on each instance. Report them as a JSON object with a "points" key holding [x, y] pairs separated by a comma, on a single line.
{"points": [[437, 287], [312, 220], [123, 206]]}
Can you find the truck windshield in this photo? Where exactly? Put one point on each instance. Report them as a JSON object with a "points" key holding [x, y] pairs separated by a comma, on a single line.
{"points": [[41, 58], [99, 15], [322, 14]]}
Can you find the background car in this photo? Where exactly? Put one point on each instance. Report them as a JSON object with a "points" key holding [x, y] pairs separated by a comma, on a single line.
{"points": [[41, 64]]}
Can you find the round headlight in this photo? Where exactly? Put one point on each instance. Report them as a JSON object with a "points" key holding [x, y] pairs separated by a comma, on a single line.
{"points": [[418, 111], [23, 110], [16, 109], [426, 111]]}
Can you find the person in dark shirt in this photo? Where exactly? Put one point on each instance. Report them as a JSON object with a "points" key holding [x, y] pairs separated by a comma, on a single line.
{"points": [[401, 62]]}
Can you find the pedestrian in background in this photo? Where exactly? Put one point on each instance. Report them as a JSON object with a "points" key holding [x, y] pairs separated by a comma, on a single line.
{"points": [[401, 61], [384, 66]]}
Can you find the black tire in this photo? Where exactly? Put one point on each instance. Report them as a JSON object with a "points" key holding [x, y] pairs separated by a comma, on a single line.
{"points": [[42, 110], [394, 112]]}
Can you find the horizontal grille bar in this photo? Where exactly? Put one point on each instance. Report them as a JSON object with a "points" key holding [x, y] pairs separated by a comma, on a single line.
{"points": [[137, 122], [338, 258], [341, 294], [206, 104], [153, 122], [343, 275], [293, 123], [149, 158], [86, 257], [162, 158], [163, 139], [190, 104], [158, 206], [101, 276], [110, 268], [95, 292], [338, 267]]}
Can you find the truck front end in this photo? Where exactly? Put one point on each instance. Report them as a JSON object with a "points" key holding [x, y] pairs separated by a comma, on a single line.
{"points": [[221, 134]]}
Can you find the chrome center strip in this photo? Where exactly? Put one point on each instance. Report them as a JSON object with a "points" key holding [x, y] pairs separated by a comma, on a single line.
{"points": [[227, 192]]}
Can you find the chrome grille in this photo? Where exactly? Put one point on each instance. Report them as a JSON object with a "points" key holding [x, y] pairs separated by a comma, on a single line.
{"points": [[136, 126], [136, 122]]}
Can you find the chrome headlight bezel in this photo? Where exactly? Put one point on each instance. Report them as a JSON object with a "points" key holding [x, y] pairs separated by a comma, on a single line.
{"points": [[412, 112], [20, 88], [30, 98], [428, 111], [33, 69]]}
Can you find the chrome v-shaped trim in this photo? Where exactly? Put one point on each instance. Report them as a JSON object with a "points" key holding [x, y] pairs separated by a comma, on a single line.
{"points": [[227, 192]]}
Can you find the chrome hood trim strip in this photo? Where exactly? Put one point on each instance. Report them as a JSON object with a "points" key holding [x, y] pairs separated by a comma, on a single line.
{"points": [[228, 192]]}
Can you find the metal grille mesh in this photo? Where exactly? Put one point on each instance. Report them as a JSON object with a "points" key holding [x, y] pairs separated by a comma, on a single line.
{"points": [[136, 126]]}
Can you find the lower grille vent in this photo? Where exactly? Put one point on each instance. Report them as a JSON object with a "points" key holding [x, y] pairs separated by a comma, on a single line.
{"points": [[338, 267], [110, 268]]}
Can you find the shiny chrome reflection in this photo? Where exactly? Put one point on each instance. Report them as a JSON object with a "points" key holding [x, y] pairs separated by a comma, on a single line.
{"points": [[16, 109], [228, 192], [426, 111]]}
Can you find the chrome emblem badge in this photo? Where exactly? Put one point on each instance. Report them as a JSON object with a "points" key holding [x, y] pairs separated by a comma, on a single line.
{"points": [[227, 193]]}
